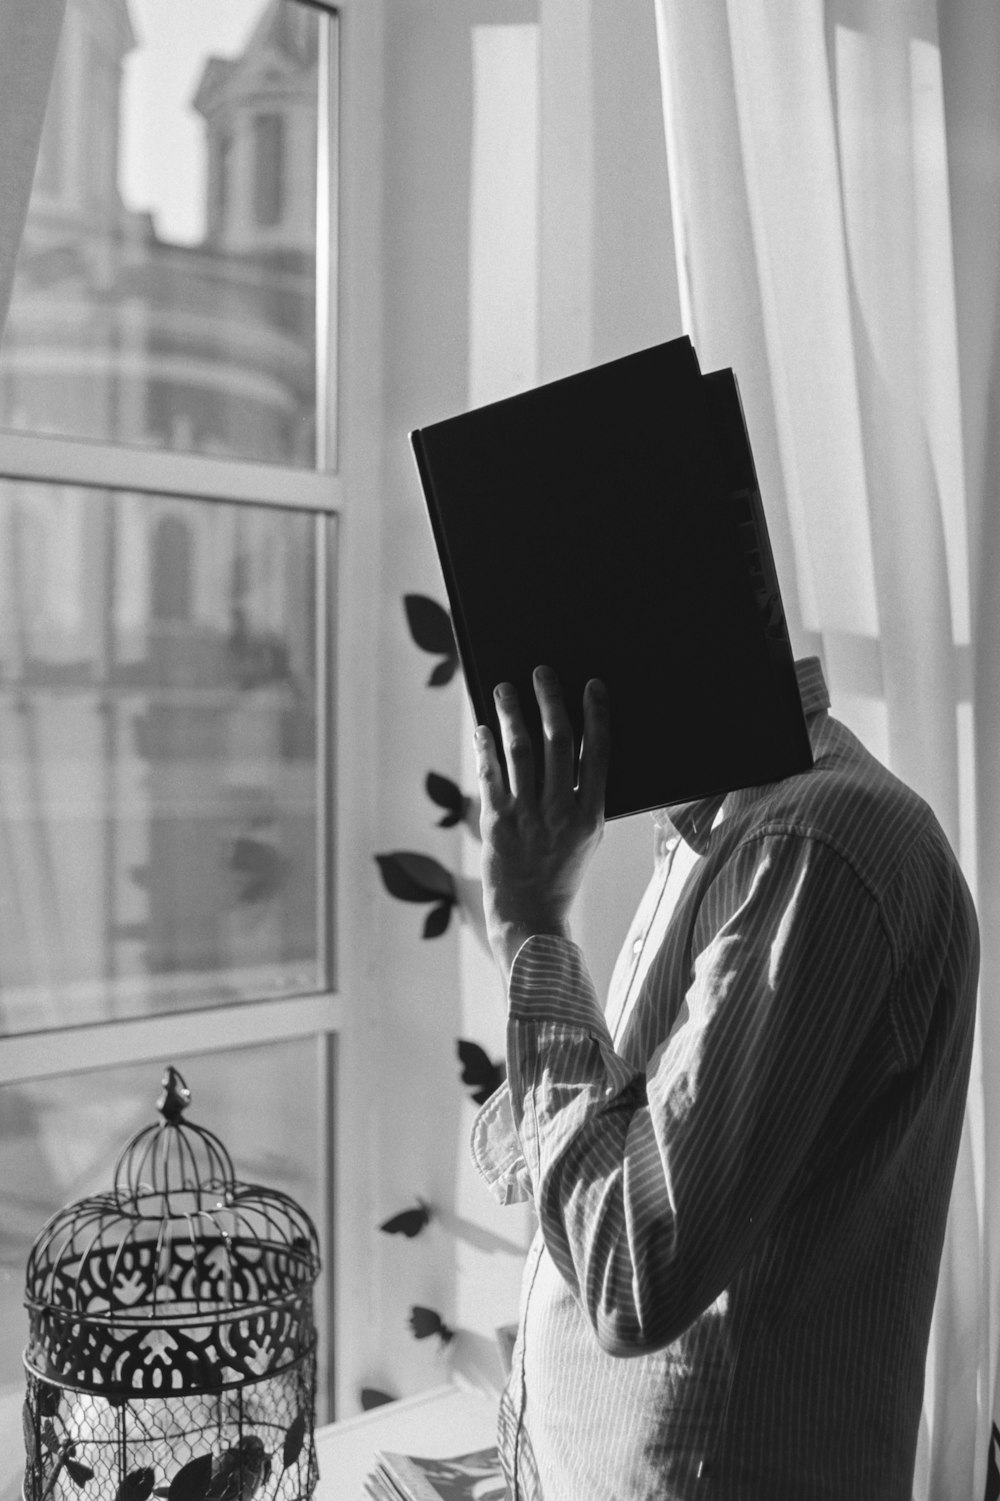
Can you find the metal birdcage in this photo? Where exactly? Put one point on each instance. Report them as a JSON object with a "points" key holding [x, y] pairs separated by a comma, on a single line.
{"points": [[172, 1345]]}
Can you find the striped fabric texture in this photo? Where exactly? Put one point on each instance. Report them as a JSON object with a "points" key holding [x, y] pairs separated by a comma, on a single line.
{"points": [[742, 1194]]}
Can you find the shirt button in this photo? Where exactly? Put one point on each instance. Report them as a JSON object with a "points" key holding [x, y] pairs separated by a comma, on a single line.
{"points": [[637, 947]]}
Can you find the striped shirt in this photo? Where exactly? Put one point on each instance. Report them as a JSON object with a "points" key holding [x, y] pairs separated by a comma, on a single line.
{"points": [[742, 1188]]}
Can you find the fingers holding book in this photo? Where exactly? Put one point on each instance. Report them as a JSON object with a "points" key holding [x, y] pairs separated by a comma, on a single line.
{"points": [[539, 835], [557, 779]]}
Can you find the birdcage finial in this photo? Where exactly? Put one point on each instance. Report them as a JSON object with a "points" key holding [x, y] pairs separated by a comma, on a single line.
{"points": [[175, 1098]]}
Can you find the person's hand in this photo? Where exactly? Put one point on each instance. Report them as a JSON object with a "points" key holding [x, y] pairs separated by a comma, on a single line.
{"points": [[539, 836]]}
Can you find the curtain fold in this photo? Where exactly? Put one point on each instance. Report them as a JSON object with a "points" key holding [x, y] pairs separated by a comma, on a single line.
{"points": [[29, 36], [835, 176]]}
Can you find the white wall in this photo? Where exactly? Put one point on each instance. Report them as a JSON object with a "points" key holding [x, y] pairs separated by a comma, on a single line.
{"points": [[588, 266]]}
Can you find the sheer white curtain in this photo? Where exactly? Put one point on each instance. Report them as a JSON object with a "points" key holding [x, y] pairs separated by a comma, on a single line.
{"points": [[29, 35], [835, 172]]}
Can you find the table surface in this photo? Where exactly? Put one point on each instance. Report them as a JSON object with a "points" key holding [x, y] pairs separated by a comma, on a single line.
{"points": [[444, 1420]]}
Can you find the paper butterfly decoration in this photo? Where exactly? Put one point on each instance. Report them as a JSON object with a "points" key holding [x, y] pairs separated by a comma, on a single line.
{"points": [[479, 1071], [412, 877], [430, 627], [409, 1223], [425, 1321], [449, 796], [372, 1396]]}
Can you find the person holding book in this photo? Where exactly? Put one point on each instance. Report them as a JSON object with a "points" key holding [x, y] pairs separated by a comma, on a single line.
{"points": [[741, 1167]]}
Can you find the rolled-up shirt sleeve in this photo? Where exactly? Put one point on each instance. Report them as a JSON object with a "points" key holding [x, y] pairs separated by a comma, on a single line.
{"points": [[653, 1186], [497, 1151]]}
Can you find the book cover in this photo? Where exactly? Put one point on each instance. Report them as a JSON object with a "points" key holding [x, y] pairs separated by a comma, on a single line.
{"points": [[609, 524]]}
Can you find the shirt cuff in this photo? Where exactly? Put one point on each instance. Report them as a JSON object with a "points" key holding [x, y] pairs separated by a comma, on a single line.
{"points": [[561, 1063], [497, 1152], [549, 985], [549, 982]]}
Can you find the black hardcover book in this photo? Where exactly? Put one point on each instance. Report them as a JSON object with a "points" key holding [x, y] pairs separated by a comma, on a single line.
{"points": [[609, 524]]}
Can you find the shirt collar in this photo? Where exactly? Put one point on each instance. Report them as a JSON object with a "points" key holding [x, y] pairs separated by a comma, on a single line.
{"points": [[693, 821]]}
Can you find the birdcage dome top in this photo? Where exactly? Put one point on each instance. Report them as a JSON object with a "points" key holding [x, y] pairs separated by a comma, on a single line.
{"points": [[180, 1256], [173, 1167]]}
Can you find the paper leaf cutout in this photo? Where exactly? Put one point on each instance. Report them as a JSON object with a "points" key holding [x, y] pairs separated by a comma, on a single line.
{"points": [[28, 1429], [409, 1223], [372, 1397], [415, 878], [78, 1473], [430, 627], [448, 795], [137, 1485], [418, 878], [443, 673], [424, 1322], [294, 1439], [479, 1071], [49, 1398], [241, 1471], [437, 920], [192, 1480], [430, 624]]}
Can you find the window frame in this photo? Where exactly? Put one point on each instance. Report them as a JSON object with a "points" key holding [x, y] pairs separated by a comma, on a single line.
{"points": [[90, 1047]]}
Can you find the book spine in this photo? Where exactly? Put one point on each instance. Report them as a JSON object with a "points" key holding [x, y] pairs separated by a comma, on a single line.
{"points": [[747, 512], [751, 528]]}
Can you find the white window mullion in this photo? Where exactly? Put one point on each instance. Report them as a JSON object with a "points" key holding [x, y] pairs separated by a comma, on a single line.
{"points": [[327, 244], [76, 462], [43, 1055]]}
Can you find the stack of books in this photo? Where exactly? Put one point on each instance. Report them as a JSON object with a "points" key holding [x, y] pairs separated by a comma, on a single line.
{"points": [[465, 1477]]}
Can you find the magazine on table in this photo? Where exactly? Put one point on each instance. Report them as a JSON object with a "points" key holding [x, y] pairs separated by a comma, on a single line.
{"points": [[462, 1477]]}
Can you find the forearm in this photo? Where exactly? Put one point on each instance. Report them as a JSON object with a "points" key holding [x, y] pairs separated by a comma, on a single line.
{"points": [[593, 1160], [652, 1188]]}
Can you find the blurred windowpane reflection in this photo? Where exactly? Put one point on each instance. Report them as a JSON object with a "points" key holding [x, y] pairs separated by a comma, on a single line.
{"points": [[166, 281], [159, 818]]}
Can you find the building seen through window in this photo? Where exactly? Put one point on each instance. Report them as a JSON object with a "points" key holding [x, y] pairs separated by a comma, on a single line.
{"points": [[121, 331], [159, 704], [269, 142]]}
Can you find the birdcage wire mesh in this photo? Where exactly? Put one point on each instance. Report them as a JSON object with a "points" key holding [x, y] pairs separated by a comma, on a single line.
{"points": [[172, 1345]]}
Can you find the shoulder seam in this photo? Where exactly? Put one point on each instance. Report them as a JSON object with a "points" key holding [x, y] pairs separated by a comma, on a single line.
{"points": [[795, 831]]}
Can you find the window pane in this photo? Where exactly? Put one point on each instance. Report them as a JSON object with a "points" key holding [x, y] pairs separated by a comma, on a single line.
{"points": [[159, 814], [166, 282], [269, 144], [61, 1138]]}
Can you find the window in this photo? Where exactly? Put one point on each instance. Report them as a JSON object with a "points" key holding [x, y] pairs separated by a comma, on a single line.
{"points": [[222, 168], [136, 320], [268, 164], [159, 709], [49, 168], [168, 521]]}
